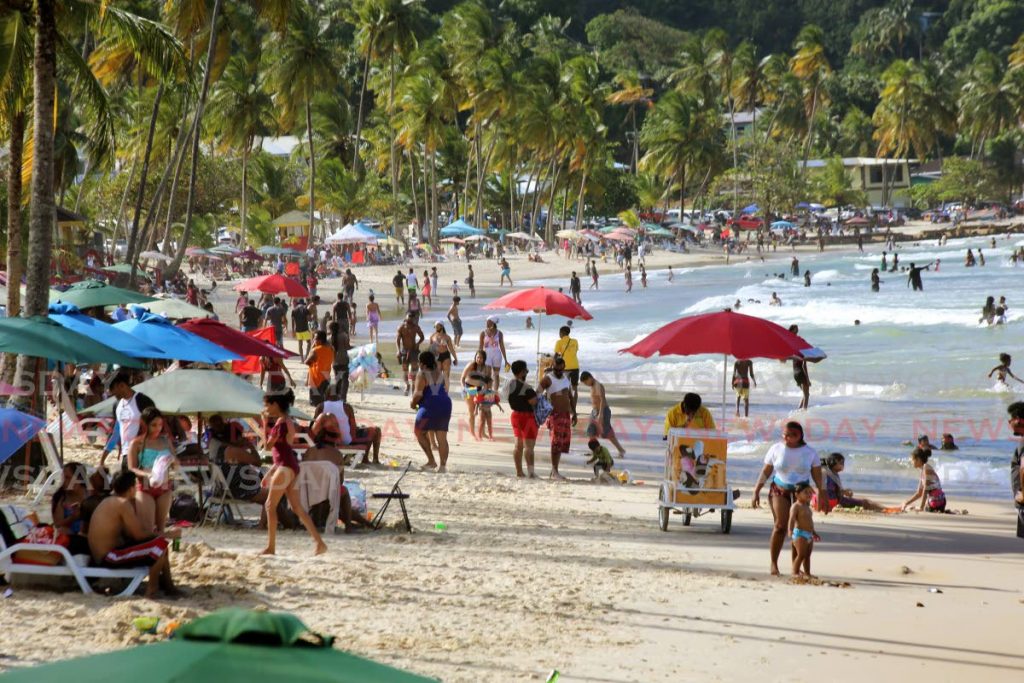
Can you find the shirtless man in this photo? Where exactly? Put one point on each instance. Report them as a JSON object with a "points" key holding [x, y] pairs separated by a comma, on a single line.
{"points": [[742, 376], [600, 426], [914, 277], [563, 413], [118, 541], [349, 285], [408, 341], [455, 320]]}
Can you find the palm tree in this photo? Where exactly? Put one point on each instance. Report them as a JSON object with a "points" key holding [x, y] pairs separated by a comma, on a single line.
{"points": [[304, 64], [670, 137], [241, 108], [986, 101], [631, 93], [810, 64]]}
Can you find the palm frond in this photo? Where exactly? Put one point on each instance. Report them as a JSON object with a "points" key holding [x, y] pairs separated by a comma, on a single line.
{"points": [[101, 140]]}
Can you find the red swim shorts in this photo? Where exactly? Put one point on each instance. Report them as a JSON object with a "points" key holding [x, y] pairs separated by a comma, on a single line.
{"points": [[524, 425]]}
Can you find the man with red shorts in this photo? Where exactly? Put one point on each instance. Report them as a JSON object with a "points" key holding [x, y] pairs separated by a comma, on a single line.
{"points": [[558, 387], [118, 541], [521, 400]]}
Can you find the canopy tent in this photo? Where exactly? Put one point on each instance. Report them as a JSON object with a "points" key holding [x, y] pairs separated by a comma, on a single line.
{"points": [[174, 342], [355, 233], [174, 309], [93, 293], [460, 228], [228, 645], [366, 227], [40, 337], [189, 392], [390, 242], [70, 317]]}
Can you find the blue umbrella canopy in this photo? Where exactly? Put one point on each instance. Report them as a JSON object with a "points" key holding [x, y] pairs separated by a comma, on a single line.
{"points": [[16, 429], [782, 224], [68, 315], [367, 228], [460, 228], [753, 208], [174, 342]]}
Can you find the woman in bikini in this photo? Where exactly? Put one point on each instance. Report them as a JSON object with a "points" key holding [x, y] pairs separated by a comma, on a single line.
{"points": [[152, 501], [473, 383], [427, 289], [373, 319], [443, 348], [280, 479], [492, 343]]}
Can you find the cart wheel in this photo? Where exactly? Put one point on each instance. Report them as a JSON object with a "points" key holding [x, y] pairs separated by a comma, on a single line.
{"points": [[726, 521], [663, 518], [686, 518]]}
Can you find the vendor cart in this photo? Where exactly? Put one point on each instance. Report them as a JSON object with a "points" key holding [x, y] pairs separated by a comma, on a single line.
{"points": [[695, 481]]}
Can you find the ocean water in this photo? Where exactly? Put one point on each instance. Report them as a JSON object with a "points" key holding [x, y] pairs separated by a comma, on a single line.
{"points": [[917, 363]]}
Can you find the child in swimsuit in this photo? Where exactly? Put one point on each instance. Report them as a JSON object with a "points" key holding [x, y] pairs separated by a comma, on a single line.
{"points": [[486, 398], [801, 529], [1003, 369], [929, 490]]}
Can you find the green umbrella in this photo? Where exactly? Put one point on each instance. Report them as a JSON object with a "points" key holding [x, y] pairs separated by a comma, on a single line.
{"points": [[175, 309], [229, 645], [91, 293], [188, 391], [40, 337], [126, 269]]}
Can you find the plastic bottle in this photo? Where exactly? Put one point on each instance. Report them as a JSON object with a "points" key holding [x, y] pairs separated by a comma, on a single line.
{"points": [[553, 676]]}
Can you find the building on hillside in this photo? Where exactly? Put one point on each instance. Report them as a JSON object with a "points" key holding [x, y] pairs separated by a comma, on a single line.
{"points": [[742, 121], [885, 182]]}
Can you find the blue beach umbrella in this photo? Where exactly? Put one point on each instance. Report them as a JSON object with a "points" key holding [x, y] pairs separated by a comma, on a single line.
{"points": [[753, 208], [16, 429], [68, 315], [783, 224], [173, 342]]}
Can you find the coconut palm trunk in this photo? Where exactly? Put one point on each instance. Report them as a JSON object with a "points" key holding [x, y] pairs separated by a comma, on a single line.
{"points": [[362, 99], [133, 237], [16, 146], [190, 203], [312, 163]]}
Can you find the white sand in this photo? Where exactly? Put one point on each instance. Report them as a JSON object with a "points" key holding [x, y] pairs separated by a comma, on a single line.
{"points": [[531, 576]]}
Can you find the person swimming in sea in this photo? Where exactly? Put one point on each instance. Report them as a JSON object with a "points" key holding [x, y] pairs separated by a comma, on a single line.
{"points": [[875, 280], [1003, 369]]}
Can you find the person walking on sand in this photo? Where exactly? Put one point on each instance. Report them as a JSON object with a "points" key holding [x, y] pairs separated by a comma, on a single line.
{"points": [[408, 340], [455, 320], [433, 409], [787, 464], [600, 413], [558, 388], [593, 275], [426, 289], [492, 343], [742, 376], [280, 479], [373, 319], [521, 401], [398, 281], [801, 530], [471, 282], [506, 273]]}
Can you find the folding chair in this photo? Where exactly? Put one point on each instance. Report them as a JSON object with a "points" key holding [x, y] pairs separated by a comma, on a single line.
{"points": [[394, 494]]}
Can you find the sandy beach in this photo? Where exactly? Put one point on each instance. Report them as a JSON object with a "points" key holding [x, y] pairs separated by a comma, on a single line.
{"points": [[507, 579]]}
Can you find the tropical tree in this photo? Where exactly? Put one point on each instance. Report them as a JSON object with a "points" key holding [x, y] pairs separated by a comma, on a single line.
{"points": [[810, 64], [630, 92], [986, 103]]}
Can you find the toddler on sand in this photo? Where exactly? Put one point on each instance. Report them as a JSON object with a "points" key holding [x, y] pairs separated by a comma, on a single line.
{"points": [[801, 529]]}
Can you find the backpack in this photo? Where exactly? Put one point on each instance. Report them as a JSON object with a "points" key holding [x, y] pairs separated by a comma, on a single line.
{"points": [[185, 509]]}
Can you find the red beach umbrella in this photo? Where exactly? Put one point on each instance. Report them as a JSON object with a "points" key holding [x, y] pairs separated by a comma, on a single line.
{"points": [[272, 284], [541, 300], [727, 333], [233, 340]]}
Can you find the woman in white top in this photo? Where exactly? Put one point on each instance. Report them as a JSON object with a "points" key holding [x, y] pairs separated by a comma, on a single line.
{"points": [[785, 465]]}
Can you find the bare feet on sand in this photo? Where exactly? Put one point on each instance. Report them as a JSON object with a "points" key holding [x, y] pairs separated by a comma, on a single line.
{"points": [[267, 551], [321, 548]]}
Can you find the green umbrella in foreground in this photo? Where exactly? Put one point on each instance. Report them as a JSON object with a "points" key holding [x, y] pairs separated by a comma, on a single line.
{"points": [[90, 293], [229, 645], [40, 337]]}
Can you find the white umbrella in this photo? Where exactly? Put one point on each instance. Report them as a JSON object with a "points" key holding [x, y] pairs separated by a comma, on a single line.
{"points": [[478, 238], [155, 256]]}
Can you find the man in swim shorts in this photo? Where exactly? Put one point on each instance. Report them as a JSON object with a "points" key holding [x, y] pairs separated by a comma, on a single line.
{"points": [[563, 413], [399, 283], [742, 376], [408, 340], [600, 414], [300, 325]]}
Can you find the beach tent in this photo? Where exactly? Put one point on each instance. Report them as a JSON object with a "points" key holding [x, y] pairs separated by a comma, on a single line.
{"points": [[16, 429], [174, 309], [188, 391], [70, 317], [174, 342], [226, 646], [92, 293], [366, 227], [460, 228], [355, 233], [728, 333]]}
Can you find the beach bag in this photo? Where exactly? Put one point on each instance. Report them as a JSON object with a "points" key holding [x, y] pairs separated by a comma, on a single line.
{"points": [[542, 410], [185, 508], [357, 493], [43, 534], [15, 523]]}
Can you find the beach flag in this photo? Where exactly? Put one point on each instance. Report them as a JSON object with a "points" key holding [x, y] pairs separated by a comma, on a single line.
{"points": [[250, 365]]}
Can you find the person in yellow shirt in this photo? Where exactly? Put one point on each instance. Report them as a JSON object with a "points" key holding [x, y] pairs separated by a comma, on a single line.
{"points": [[689, 414], [567, 348]]}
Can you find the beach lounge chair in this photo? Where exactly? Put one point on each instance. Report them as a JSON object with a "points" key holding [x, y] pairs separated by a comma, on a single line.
{"points": [[69, 568], [394, 494], [48, 479]]}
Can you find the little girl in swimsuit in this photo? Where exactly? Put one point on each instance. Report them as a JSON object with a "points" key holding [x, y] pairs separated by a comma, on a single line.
{"points": [[801, 529], [373, 319], [929, 489]]}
